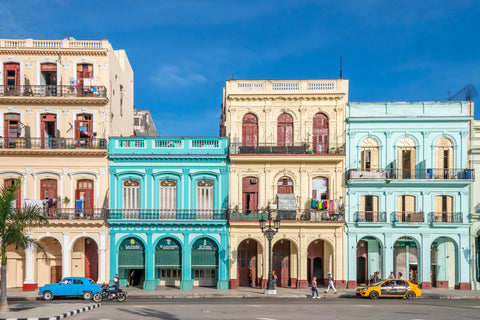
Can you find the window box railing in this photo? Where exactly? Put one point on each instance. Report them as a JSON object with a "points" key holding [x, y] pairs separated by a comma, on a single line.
{"points": [[281, 148], [52, 143], [370, 216], [406, 216], [53, 91], [407, 174], [73, 213], [167, 214], [446, 217]]}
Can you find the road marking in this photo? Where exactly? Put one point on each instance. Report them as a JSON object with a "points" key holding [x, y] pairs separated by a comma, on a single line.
{"points": [[365, 306], [255, 306], [265, 319]]}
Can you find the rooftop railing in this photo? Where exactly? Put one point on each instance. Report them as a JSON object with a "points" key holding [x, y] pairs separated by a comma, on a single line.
{"points": [[167, 214], [282, 148], [52, 143], [53, 91], [54, 44], [287, 86], [408, 174]]}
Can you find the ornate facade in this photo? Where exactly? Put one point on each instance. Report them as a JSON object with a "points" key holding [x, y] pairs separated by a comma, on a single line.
{"points": [[408, 189], [475, 206], [287, 153], [59, 102]]}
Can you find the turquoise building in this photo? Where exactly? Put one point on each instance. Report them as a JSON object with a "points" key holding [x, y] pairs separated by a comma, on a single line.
{"points": [[168, 200], [408, 192]]}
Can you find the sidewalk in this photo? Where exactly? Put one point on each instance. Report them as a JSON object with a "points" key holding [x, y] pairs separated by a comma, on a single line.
{"points": [[19, 298]]}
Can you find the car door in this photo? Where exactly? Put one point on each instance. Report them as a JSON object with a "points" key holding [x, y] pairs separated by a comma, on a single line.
{"points": [[387, 288], [64, 287], [77, 288], [401, 288]]}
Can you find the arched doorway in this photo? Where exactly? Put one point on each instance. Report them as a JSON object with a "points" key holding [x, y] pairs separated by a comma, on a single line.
{"points": [[247, 263], [49, 263], [369, 259], [315, 261], [249, 130], [405, 259], [281, 262], [204, 262], [320, 133], [85, 258], [15, 267], [168, 262], [444, 264], [285, 130], [131, 261]]}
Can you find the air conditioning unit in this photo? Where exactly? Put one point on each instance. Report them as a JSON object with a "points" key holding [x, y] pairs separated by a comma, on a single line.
{"points": [[254, 181]]}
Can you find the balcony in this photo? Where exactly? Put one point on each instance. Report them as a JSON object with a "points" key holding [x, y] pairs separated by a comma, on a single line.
{"points": [[408, 174], [54, 44], [271, 87], [370, 216], [73, 213], [53, 91], [276, 148], [307, 216], [52, 143], [446, 217], [168, 146], [404, 216], [167, 214]]}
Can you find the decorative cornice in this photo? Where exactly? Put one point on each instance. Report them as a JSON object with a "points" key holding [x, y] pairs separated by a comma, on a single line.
{"points": [[54, 52], [81, 153], [287, 97], [53, 100]]}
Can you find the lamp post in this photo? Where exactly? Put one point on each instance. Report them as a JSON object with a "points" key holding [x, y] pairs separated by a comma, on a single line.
{"points": [[269, 233]]}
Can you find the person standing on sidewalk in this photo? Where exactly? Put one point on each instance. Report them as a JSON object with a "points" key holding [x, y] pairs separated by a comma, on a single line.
{"points": [[330, 284], [314, 288]]}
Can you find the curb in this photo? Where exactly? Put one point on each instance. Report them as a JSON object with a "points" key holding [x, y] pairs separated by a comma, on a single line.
{"points": [[61, 316]]}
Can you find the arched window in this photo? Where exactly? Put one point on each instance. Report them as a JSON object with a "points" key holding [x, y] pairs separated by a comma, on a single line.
{"points": [[444, 159], [320, 133], [369, 154], [249, 130], [205, 199], [131, 194], [285, 130], [168, 198], [250, 194], [285, 185], [406, 158]]}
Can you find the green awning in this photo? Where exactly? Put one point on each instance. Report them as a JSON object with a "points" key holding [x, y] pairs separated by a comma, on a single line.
{"points": [[204, 254], [131, 254], [168, 254]]}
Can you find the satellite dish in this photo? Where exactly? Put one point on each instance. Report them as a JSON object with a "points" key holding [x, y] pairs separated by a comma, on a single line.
{"points": [[466, 94]]}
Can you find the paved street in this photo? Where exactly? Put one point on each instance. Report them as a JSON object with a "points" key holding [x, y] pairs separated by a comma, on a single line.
{"points": [[279, 309]]}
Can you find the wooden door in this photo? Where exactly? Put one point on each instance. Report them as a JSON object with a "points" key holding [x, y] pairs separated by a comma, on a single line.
{"points": [[11, 76], [11, 129], [48, 191], [56, 274], [285, 185], [250, 194], [84, 71], [18, 193], [249, 130], [280, 261], [285, 130], [91, 260], [246, 265], [84, 196], [48, 127], [320, 133], [84, 126]]}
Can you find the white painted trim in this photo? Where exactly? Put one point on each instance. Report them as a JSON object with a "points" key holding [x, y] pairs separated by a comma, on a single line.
{"points": [[39, 113], [47, 172], [3, 61], [2, 119], [83, 235], [39, 62], [74, 117]]}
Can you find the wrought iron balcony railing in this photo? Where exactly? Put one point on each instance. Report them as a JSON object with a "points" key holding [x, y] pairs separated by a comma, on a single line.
{"points": [[370, 216], [446, 217], [406, 216], [53, 91], [167, 214], [74, 213], [283, 148], [52, 143], [400, 174]]}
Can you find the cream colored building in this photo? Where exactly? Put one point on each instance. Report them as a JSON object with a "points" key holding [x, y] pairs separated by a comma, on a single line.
{"points": [[59, 102], [287, 140], [474, 155]]}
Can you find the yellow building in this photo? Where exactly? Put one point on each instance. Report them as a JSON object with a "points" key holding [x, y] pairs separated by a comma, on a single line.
{"points": [[59, 102], [287, 140]]}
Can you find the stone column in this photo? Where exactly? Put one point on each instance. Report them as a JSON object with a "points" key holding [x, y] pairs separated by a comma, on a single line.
{"points": [[29, 283], [102, 276], [187, 282], [149, 283], [66, 255]]}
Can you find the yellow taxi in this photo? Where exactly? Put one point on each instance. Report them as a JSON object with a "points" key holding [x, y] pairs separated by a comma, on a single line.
{"points": [[390, 288]]}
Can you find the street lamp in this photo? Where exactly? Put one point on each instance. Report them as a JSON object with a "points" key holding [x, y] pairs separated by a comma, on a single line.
{"points": [[269, 233]]}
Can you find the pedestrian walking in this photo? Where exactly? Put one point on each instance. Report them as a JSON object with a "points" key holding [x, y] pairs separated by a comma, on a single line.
{"points": [[274, 280], [330, 284], [314, 288]]}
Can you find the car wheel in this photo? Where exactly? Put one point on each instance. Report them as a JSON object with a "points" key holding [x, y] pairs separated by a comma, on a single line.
{"points": [[374, 295], [87, 295], [411, 295], [97, 297], [47, 296]]}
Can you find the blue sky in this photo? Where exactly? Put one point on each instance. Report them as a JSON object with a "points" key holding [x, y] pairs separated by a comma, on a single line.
{"points": [[181, 51]]}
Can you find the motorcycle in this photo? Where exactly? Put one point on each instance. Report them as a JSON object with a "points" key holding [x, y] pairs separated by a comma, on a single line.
{"points": [[106, 293]]}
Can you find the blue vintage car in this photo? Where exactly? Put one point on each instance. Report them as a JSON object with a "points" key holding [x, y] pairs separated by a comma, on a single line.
{"points": [[71, 286]]}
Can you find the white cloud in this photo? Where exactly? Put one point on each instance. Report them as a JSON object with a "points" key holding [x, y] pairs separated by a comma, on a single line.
{"points": [[177, 76]]}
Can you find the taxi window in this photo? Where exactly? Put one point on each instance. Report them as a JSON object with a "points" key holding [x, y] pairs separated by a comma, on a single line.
{"points": [[402, 283], [77, 281]]}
